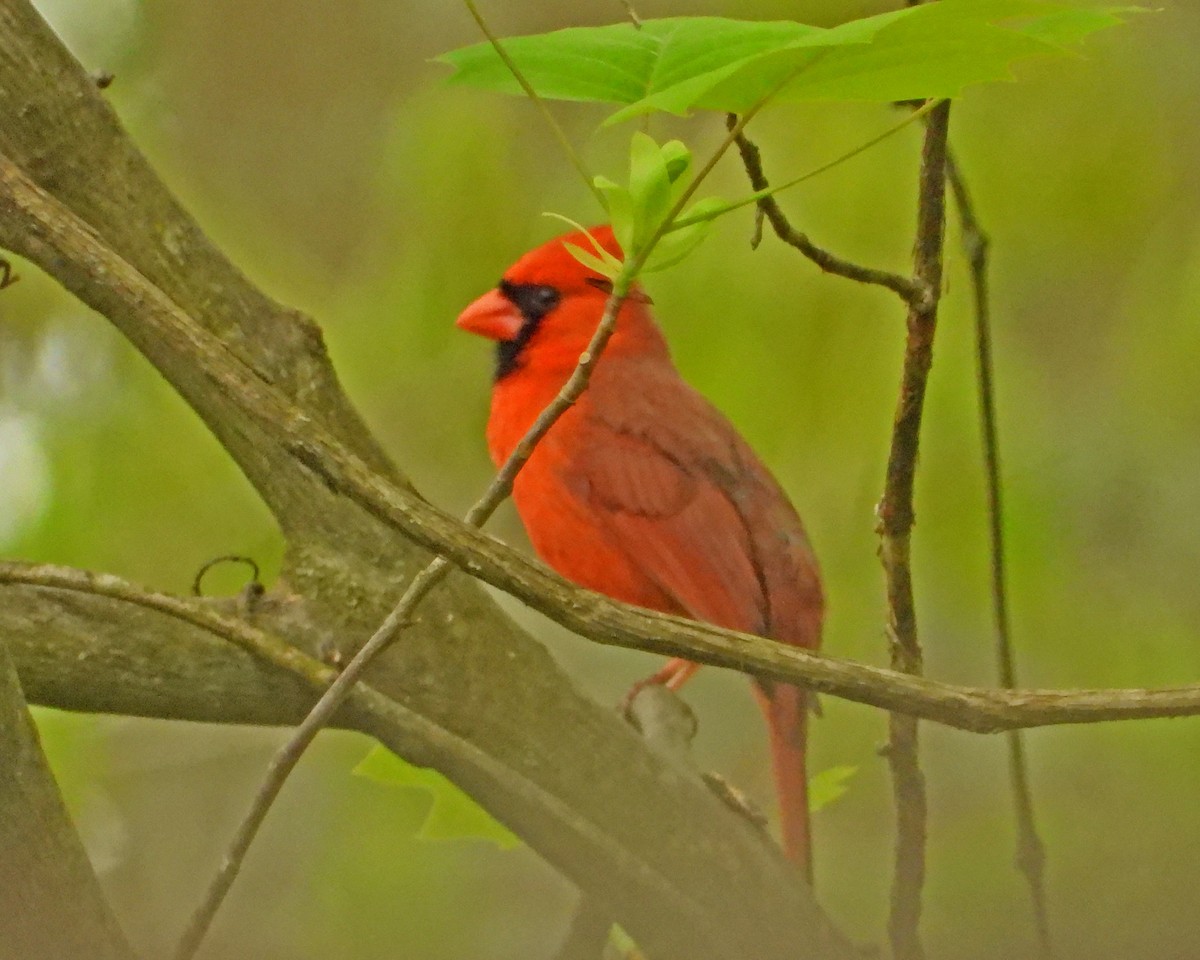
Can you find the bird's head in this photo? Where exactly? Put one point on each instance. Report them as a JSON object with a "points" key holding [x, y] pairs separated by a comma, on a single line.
{"points": [[543, 312]]}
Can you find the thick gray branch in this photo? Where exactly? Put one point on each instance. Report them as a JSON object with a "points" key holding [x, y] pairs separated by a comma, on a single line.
{"points": [[99, 643], [654, 845], [42, 862]]}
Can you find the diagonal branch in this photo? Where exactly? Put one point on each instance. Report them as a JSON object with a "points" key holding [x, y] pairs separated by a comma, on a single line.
{"points": [[511, 791], [907, 289], [54, 238], [42, 861]]}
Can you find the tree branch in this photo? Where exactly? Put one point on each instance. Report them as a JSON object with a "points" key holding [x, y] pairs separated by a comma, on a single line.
{"points": [[907, 289], [54, 238], [1031, 854], [895, 526], [42, 861], [691, 889]]}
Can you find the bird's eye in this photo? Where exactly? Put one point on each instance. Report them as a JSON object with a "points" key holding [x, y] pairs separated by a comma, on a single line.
{"points": [[534, 300], [545, 298]]}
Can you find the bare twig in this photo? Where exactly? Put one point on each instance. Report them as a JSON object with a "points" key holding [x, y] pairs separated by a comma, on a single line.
{"points": [[632, 13], [560, 135], [1031, 854], [758, 195], [830, 263], [895, 526]]}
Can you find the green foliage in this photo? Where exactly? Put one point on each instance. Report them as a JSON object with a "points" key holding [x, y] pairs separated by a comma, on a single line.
{"points": [[829, 786], [682, 64], [452, 814], [658, 181]]}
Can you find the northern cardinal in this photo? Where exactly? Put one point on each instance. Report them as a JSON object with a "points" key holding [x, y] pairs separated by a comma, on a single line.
{"points": [[643, 491]]}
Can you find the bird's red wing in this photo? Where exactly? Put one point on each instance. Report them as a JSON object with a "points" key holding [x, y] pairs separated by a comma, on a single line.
{"points": [[673, 524], [686, 500]]}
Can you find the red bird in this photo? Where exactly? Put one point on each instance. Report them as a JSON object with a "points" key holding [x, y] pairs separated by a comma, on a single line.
{"points": [[643, 491]]}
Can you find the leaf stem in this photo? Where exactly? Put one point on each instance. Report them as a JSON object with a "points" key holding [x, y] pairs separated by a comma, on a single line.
{"points": [[669, 222], [779, 188], [563, 141]]}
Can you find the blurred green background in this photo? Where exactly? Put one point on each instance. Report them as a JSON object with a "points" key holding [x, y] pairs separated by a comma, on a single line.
{"points": [[316, 144]]}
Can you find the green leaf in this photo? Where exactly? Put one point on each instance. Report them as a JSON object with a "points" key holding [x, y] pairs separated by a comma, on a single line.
{"points": [[687, 63], [603, 262], [604, 267], [677, 244], [649, 188], [452, 814], [619, 205], [829, 786], [617, 63], [678, 159]]}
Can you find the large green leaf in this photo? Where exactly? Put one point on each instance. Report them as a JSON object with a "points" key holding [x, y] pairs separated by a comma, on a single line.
{"points": [[686, 63]]}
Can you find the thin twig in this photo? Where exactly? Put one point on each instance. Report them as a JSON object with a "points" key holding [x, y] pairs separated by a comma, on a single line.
{"points": [[830, 263], [559, 134], [286, 758], [198, 580], [896, 517], [1031, 854], [796, 181]]}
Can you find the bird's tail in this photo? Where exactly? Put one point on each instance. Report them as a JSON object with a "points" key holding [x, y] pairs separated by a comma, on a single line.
{"points": [[786, 710]]}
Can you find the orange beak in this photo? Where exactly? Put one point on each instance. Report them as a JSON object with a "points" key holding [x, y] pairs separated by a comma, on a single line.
{"points": [[493, 316]]}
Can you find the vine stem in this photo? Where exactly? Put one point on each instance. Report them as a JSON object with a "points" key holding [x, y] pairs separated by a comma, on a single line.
{"points": [[760, 195], [1031, 853], [896, 518]]}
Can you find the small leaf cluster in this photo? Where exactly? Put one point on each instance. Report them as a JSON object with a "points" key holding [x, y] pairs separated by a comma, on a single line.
{"points": [[643, 213]]}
